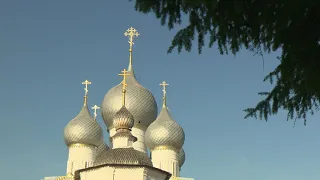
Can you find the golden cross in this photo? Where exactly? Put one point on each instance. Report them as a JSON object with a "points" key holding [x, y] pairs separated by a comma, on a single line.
{"points": [[131, 32], [124, 84], [86, 82], [95, 108], [164, 84]]}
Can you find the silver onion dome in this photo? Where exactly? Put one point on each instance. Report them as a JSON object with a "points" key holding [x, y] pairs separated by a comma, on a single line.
{"points": [[123, 156], [123, 119], [181, 157], [164, 131], [139, 102], [83, 129]]}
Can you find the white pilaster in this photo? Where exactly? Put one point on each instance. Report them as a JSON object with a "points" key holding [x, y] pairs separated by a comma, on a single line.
{"points": [[80, 156], [166, 160]]}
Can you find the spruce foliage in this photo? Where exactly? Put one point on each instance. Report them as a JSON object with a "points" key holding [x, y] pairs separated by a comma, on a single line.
{"points": [[261, 26]]}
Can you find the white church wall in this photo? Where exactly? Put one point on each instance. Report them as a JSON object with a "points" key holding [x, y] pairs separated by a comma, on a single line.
{"points": [[114, 173], [166, 160], [80, 157]]}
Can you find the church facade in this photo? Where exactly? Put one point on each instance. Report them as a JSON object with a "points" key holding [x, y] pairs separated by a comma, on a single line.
{"points": [[130, 113]]}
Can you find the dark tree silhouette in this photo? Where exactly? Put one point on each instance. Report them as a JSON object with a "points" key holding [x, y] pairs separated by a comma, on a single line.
{"points": [[261, 26]]}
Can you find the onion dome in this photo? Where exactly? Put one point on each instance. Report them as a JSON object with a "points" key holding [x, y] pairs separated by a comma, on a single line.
{"points": [[123, 119], [124, 156], [164, 131], [123, 122], [83, 129], [181, 157], [139, 101]]}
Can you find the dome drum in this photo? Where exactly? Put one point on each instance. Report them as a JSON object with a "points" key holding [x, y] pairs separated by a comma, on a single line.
{"points": [[124, 133], [165, 147]]}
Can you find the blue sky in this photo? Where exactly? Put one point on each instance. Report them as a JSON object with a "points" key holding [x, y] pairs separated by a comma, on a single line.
{"points": [[47, 48]]}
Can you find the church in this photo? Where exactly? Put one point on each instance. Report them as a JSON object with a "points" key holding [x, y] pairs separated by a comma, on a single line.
{"points": [[130, 114]]}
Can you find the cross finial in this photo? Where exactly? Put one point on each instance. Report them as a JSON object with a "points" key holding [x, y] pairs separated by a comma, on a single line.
{"points": [[124, 84], [86, 83], [164, 84], [95, 108], [131, 32]]}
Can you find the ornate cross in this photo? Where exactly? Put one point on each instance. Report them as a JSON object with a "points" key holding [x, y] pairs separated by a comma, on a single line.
{"points": [[131, 32], [86, 83], [95, 108], [124, 84]]}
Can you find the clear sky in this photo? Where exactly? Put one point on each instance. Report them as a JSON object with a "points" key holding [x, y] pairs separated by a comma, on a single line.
{"points": [[47, 48]]}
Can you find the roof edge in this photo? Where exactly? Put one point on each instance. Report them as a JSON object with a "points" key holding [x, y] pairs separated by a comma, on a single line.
{"points": [[77, 173]]}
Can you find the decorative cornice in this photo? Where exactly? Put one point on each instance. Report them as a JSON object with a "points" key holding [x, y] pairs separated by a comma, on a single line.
{"points": [[165, 148], [78, 145], [136, 126]]}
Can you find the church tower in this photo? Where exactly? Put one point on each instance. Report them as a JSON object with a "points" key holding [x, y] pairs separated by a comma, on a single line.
{"points": [[122, 152], [165, 138], [123, 121], [139, 102], [82, 135]]}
